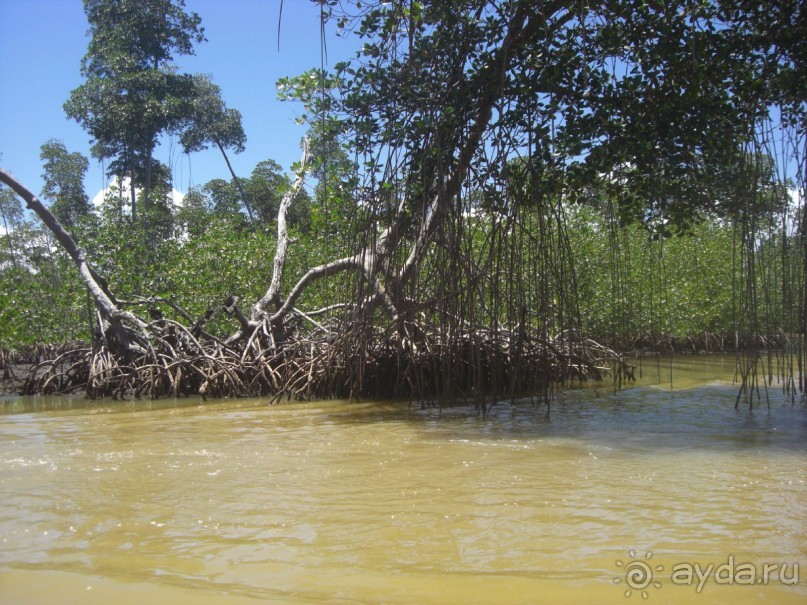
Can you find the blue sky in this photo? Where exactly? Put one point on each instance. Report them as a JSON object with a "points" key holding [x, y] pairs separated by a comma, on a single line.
{"points": [[42, 43]]}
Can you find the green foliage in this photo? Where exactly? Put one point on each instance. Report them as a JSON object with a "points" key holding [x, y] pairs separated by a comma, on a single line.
{"points": [[41, 296], [138, 34], [624, 285], [192, 218], [131, 93], [592, 166], [226, 259], [265, 189], [12, 216], [64, 182], [639, 288], [223, 196], [212, 122], [649, 100], [335, 207]]}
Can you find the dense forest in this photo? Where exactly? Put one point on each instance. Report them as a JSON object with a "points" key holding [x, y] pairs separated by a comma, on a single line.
{"points": [[494, 197]]}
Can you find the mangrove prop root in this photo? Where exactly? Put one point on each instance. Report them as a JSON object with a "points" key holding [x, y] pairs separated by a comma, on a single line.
{"points": [[410, 363]]}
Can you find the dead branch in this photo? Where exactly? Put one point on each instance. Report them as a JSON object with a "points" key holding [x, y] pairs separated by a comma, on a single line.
{"points": [[97, 286], [272, 295]]}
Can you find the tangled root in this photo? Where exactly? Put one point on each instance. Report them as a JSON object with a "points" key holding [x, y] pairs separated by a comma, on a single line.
{"points": [[407, 363]]}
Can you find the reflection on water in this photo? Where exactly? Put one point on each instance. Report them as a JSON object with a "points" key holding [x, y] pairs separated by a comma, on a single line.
{"points": [[236, 502]]}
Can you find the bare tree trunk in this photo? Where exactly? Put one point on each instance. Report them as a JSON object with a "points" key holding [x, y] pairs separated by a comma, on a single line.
{"points": [[272, 295], [147, 184], [132, 189]]}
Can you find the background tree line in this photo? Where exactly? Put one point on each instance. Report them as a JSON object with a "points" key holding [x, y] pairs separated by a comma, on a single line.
{"points": [[638, 289]]}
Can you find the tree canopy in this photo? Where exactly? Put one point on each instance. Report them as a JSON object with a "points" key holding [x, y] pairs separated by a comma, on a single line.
{"points": [[132, 93], [648, 99], [64, 182]]}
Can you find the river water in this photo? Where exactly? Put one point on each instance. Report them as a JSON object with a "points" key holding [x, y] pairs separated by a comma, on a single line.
{"points": [[662, 489]]}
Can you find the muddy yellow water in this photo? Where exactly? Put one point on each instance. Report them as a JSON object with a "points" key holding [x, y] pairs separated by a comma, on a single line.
{"points": [[652, 493]]}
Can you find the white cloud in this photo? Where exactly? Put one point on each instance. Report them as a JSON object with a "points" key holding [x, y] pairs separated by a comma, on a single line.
{"points": [[122, 185], [796, 198]]}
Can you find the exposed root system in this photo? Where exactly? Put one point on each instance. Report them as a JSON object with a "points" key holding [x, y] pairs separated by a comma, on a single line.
{"points": [[476, 366]]}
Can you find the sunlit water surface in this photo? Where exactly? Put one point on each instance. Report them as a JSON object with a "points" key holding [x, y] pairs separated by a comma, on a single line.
{"points": [[329, 502]]}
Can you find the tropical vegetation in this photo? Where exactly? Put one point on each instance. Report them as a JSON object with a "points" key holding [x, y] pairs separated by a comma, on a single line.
{"points": [[499, 190]]}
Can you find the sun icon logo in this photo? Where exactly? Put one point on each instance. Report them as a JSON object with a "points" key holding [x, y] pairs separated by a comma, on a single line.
{"points": [[638, 574]]}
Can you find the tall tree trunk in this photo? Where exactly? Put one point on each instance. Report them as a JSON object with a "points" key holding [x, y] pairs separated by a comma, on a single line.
{"points": [[802, 329], [132, 192], [119, 182], [237, 181], [147, 184]]}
